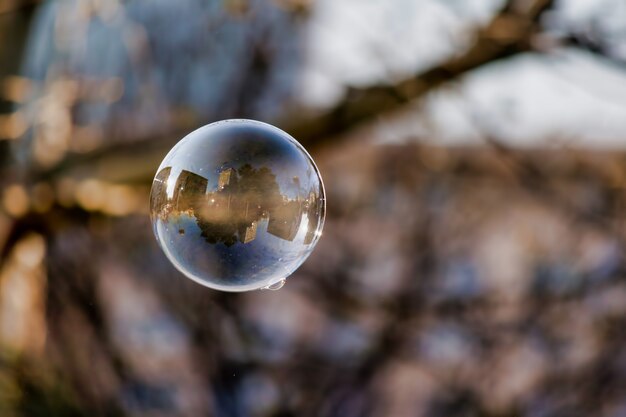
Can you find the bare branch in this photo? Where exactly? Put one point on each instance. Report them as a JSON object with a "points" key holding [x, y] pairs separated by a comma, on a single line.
{"points": [[509, 33]]}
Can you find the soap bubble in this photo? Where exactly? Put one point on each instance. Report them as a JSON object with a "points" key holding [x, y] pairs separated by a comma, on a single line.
{"points": [[237, 205]]}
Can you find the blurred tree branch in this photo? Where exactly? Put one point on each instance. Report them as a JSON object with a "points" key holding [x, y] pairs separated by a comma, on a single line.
{"points": [[510, 32], [12, 6]]}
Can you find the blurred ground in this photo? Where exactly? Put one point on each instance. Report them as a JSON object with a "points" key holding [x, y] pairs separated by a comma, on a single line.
{"points": [[472, 259]]}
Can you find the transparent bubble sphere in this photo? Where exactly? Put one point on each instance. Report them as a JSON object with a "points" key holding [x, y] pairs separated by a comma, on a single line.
{"points": [[238, 205]]}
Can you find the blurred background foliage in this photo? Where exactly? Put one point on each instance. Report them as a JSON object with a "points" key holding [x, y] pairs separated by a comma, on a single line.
{"points": [[474, 154]]}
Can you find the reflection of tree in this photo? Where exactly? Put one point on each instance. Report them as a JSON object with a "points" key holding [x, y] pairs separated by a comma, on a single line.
{"points": [[244, 197]]}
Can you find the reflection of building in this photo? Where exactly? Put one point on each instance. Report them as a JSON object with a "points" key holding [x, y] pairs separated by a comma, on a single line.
{"points": [[158, 198], [285, 220], [231, 213], [224, 178], [313, 213], [250, 233], [189, 191]]}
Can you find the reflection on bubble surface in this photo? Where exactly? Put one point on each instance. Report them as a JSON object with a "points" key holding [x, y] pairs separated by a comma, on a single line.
{"points": [[237, 205]]}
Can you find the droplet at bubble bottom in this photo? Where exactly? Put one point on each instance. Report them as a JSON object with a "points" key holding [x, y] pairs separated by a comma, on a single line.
{"points": [[237, 205]]}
